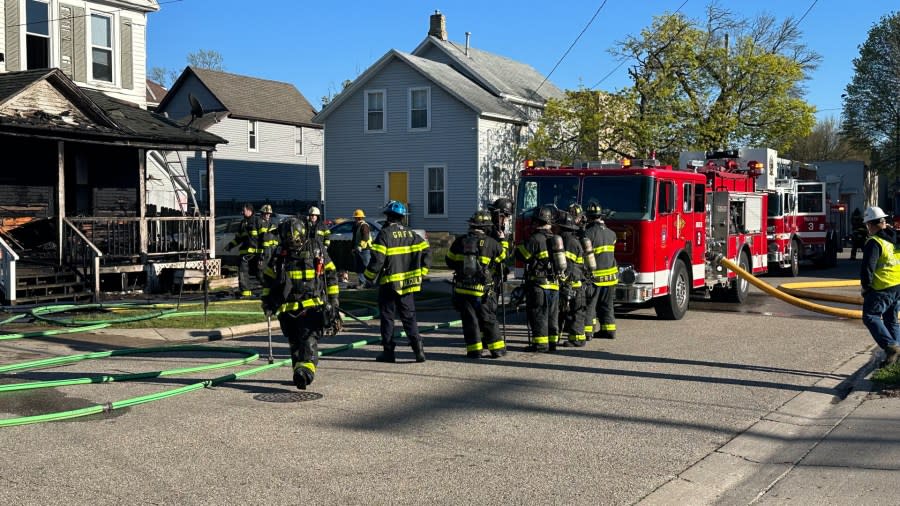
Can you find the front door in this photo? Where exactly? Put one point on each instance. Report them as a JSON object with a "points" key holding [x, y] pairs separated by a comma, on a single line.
{"points": [[398, 187]]}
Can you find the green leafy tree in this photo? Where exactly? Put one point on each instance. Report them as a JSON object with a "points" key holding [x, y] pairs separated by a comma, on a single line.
{"points": [[720, 82], [871, 108]]}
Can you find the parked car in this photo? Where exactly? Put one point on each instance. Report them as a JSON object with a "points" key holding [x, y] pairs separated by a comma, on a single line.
{"points": [[341, 248], [226, 227]]}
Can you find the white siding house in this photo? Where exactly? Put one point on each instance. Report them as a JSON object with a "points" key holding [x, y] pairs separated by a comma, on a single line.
{"points": [[274, 151], [439, 129]]}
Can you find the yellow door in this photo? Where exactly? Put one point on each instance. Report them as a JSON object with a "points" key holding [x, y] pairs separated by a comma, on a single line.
{"points": [[397, 187]]}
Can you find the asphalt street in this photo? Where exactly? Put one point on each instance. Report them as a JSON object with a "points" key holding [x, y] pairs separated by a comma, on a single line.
{"points": [[617, 422]]}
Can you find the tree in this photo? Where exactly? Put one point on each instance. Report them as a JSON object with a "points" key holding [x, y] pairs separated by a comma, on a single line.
{"points": [[721, 82], [326, 99], [871, 107], [203, 59], [825, 142]]}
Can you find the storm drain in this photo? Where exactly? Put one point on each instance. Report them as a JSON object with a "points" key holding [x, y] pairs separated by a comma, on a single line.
{"points": [[288, 397]]}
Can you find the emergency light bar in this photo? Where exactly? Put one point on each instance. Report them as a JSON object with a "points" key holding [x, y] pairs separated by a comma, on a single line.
{"points": [[542, 164], [728, 153]]}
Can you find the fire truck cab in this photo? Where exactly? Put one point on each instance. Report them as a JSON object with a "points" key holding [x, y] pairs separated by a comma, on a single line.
{"points": [[671, 224]]}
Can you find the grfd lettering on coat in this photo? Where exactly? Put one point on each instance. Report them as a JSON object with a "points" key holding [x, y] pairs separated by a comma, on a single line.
{"points": [[399, 234]]}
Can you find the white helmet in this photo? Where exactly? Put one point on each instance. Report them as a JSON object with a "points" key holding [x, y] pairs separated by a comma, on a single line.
{"points": [[873, 213], [314, 211]]}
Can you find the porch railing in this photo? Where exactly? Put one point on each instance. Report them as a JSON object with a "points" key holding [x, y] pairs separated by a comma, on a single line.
{"points": [[82, 255], [120, 237], [8, 259]]}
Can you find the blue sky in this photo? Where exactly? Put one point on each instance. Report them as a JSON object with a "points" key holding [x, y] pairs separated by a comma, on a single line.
{"points": [[316, 45]]}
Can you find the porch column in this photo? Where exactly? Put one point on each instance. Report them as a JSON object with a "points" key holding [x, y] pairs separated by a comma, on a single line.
{"points": [[211, 202], [60, 197], [142, 199]]}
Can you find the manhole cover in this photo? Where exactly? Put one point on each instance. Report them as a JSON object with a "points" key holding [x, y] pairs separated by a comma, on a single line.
{"points": [[288, 397]]}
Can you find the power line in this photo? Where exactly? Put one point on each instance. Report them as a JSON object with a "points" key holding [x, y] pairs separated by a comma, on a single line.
{"points": [[807, 11], [611, 72], [48, 20], [561, 58]]}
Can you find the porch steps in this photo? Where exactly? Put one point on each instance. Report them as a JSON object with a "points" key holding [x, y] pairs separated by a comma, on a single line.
{"points": [[47, 283]]}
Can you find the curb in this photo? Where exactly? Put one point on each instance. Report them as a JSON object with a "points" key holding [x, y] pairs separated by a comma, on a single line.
{"points": [[743, 469]]}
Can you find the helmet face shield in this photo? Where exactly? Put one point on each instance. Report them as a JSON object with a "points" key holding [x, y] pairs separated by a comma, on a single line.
{"points": [[293, 233]]}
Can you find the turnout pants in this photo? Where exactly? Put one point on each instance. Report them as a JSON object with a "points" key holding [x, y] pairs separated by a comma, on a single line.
{"points": [[572, 320], [606, 316], [303, 330], [479, 321], [244, 274], [393, 305], [543, 316]]}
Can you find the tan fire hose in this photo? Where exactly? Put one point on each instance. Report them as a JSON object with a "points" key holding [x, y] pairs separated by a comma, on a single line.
{"points": [[795, 288]]}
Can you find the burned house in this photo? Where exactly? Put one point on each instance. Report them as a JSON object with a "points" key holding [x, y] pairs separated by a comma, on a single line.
{"points": [[74, 217]]}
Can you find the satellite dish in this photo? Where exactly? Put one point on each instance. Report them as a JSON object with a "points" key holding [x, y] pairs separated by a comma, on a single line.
{"points": [[196, 108]]}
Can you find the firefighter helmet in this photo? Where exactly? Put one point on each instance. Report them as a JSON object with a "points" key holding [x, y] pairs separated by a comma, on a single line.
{"points": [[593, 210], [314, 211], [502, 205], [266, 209], [292, 233], [359, 214], [480, 219], [545, 215], [396, 208], [576, 211], [873, 213], [566, 221]]}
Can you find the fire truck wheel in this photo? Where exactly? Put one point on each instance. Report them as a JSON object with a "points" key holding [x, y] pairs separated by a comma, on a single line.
{"points": [[793, 270], [740, 287], [675, 303]]}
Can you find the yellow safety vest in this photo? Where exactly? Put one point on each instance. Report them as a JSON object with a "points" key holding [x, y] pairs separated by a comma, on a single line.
{"points": [[887, 269]]}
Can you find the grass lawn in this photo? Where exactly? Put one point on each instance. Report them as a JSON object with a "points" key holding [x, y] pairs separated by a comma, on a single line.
{"points": [[888, 377]]}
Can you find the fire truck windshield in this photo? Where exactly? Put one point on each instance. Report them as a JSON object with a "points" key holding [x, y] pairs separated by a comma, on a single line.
{"points": [[631, 197], [540, 191], [810, 198]]}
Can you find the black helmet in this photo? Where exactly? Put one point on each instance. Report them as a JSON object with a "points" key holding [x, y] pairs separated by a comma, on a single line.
{"points": [[502, 205], [593, 210], [480, 219], [576, 211], [545, 215], [292, 232], [566, 221]]}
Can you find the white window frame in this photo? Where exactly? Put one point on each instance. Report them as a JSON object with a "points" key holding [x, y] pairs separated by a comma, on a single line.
{"points": [[298, 141], [366, 94], [409, 109], [51, 26], [113, 49], [253, 133], [426, 180]]}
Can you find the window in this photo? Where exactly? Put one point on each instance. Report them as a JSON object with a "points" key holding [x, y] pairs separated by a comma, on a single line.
{"points": [[666, 197], [37, 34], [687, 198], [436, 191], [419, 108], [699, 198], [298, 141], [201, 186], [101, 47], [251, 135], [375, 111], [496, 180]]}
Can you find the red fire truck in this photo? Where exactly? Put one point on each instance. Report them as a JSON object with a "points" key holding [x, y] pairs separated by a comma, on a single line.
{"points": [[670, 223], [798, 226]]}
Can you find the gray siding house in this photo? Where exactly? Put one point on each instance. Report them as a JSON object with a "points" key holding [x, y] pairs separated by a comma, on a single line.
{"points": [[274, 151], [439, 129], [98, 44]]}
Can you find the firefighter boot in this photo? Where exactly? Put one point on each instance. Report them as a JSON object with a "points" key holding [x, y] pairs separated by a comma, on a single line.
{"points": [[302, 378], [605, 334], [387, 355], [418, 349], [474, 354]]}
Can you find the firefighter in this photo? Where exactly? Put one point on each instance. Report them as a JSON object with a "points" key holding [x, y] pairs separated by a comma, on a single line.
{"points": [[880, 280], [400, 260], [572, 305], [362, 239], [601, 317], [474, 258], [248, 240], [317, 227], [302, 291], [578, 215], [267, 235], [501, 210], [545, 262]]}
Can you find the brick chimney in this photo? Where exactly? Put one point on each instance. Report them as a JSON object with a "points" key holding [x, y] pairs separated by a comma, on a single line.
{"points": [[438, 26]]}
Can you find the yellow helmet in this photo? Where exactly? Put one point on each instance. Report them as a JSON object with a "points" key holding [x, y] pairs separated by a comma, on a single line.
{"points": [[359, 214], [266, 208]]}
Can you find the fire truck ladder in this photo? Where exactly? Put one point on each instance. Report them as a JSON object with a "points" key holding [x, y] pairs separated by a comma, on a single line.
{"points": [[175, 168]]}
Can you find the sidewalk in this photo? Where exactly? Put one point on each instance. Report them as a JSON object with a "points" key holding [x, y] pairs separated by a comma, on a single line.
{"points": [[815, 449]]}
